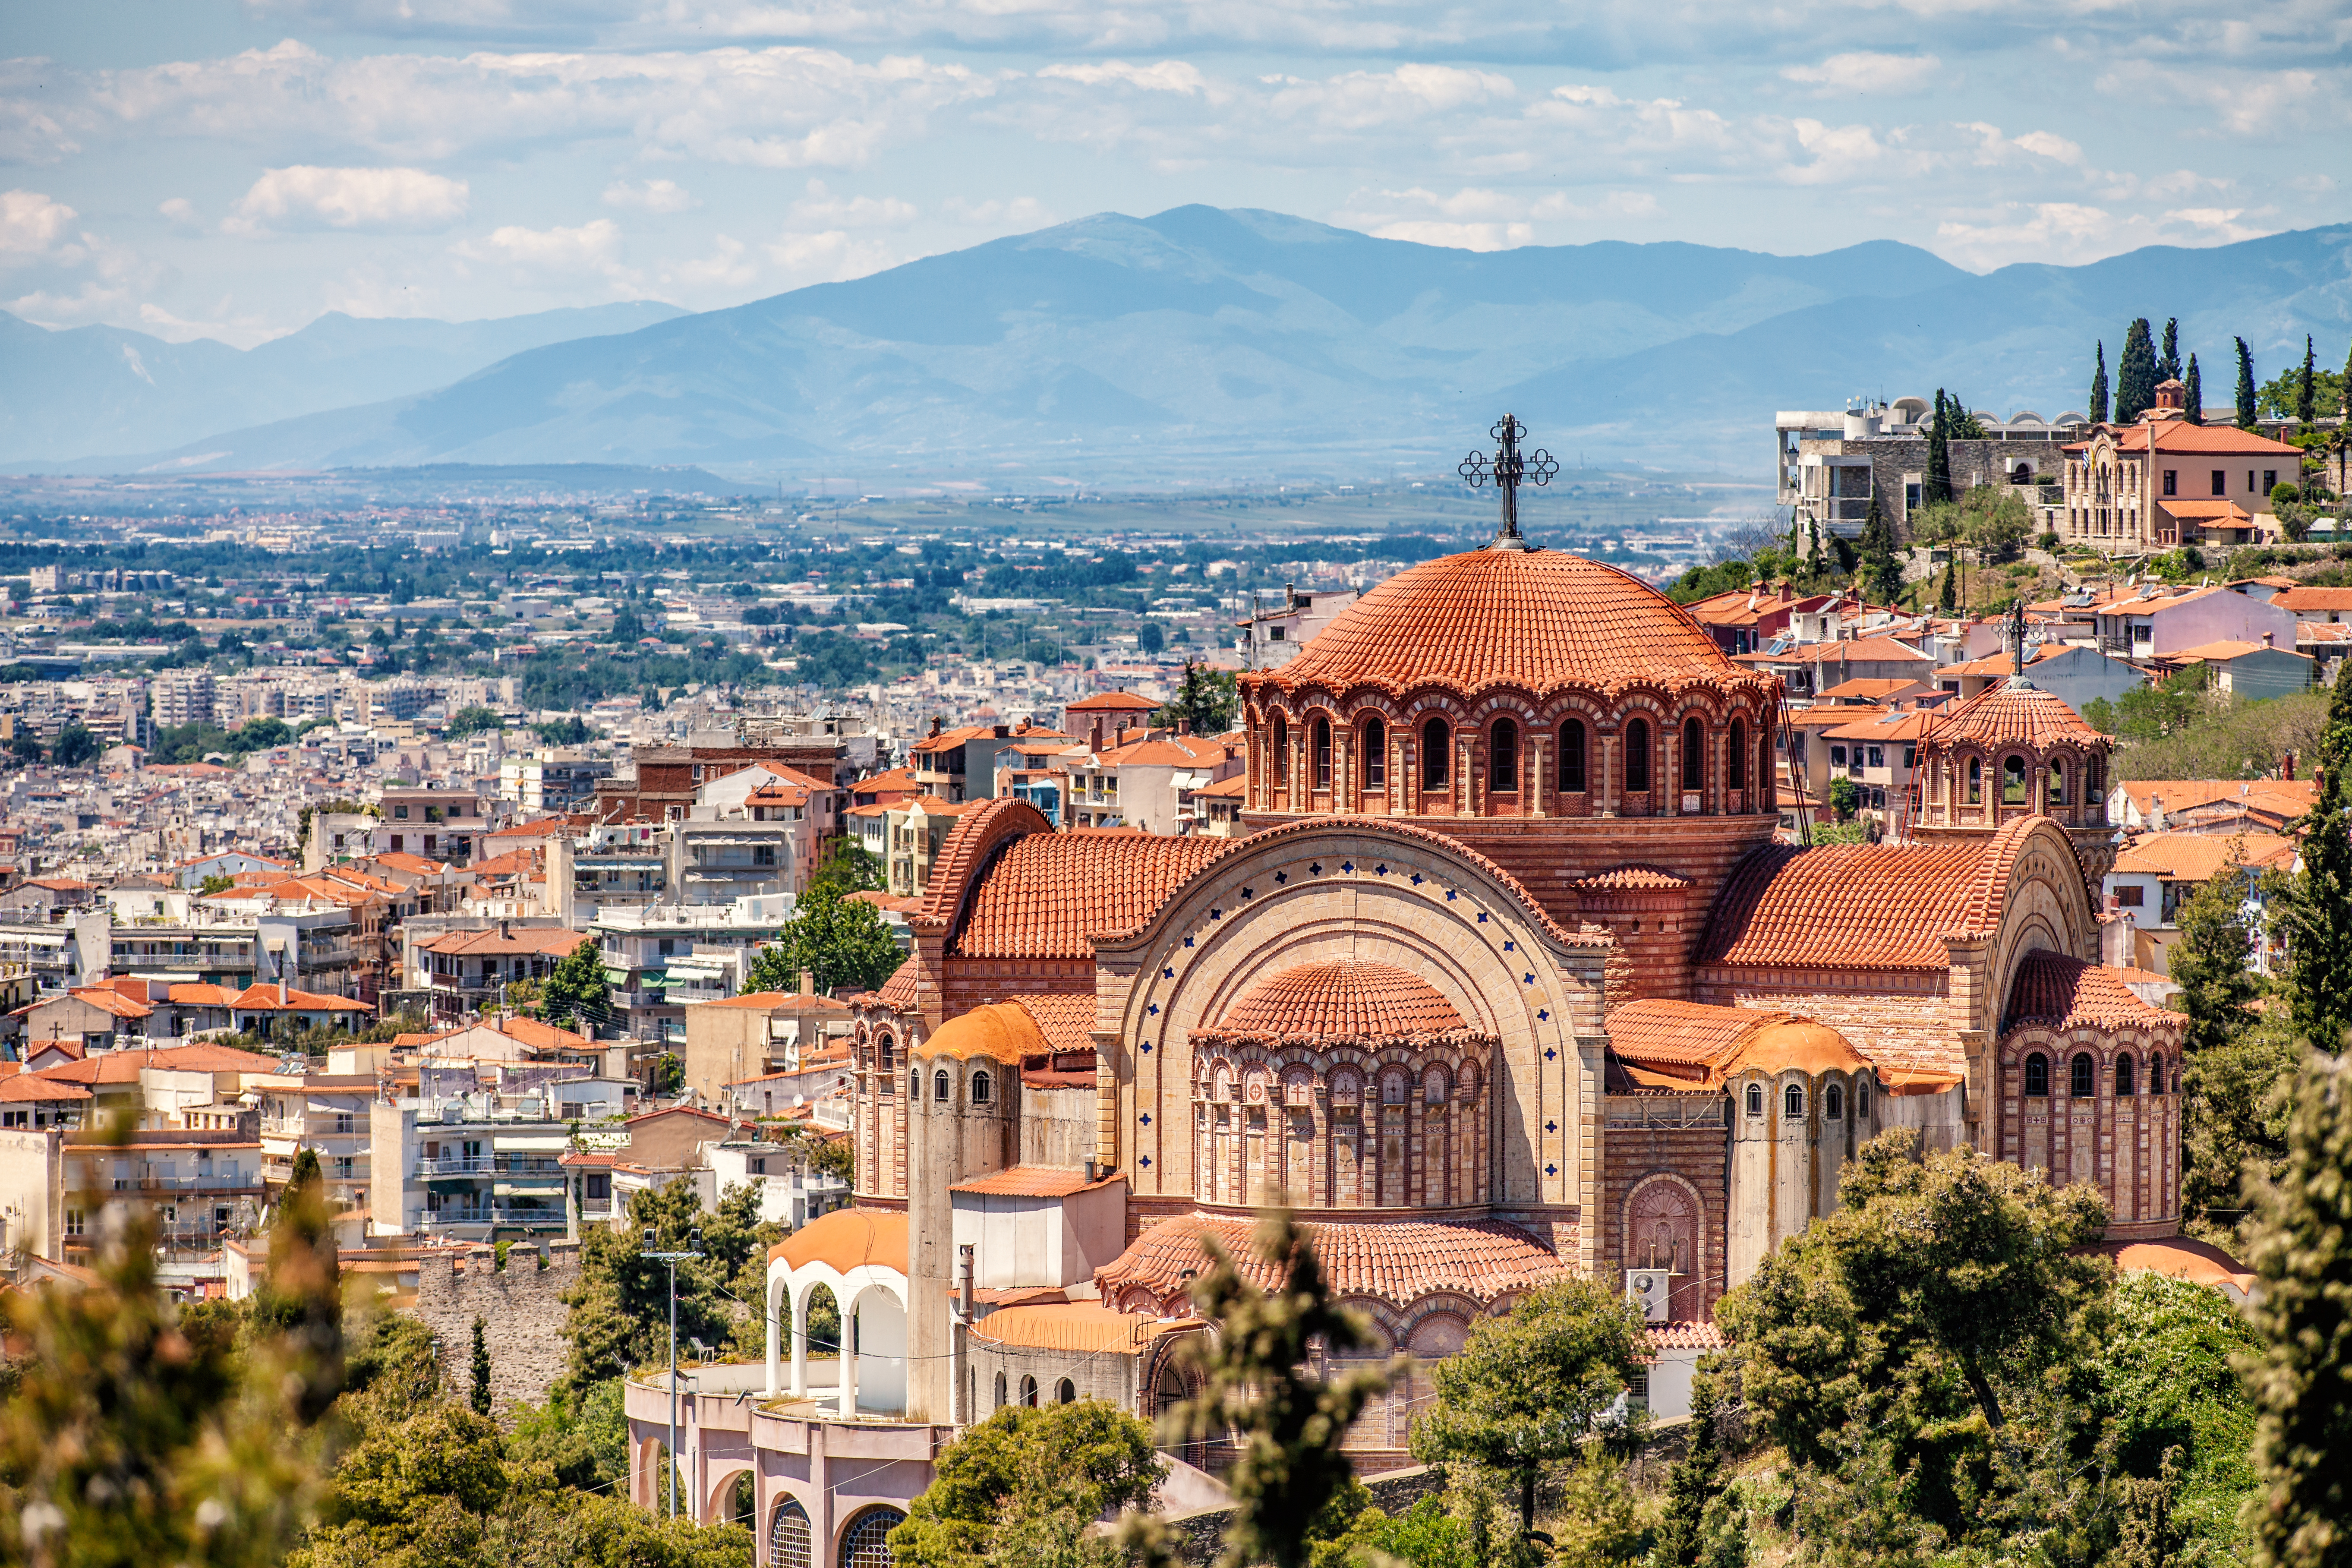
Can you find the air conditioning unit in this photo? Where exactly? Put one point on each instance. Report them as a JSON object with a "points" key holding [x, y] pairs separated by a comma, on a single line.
{"points": [[1649, 1288]]}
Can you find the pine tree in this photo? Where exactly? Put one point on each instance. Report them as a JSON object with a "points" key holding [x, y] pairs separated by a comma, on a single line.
{"points": [[2317, 921], [1814, 561], [2194, 386], [2167, 364], [2135, 373], [1882, 564], [1939, 487], [2302, 1253], [2099, 387], [481, 1400], [2209, 963], [1693, 1486], [2306, 406], [2245, 386]]}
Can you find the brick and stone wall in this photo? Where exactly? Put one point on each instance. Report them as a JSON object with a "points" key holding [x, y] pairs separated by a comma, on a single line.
{"points": [[522, 1312]]}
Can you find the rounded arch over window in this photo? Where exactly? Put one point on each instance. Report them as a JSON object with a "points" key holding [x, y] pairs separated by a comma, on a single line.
{"points": [[940, 1088], [2057, 782], [1862, 1097], [2012, 780], [790, 1544], [1502, 756], [2126, 1084], [1066, 1393], [1637, 756], [981, 1087], [1975, 781], [1571, 757], [1376, 753], [2082, 1076], [1755, 1100], [1000, 1391], [866, 1542], [1029, 1391], [1281, 751], [1792, 1100], [1833, 1103], [1735, 752], [2037, 1076], [1436, 745], [1693, 753], [2156, 1073], [1322, 733]]}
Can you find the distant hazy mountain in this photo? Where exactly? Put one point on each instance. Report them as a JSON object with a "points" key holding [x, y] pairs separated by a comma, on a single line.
{"points": [[1200, 333], [103, 389]]}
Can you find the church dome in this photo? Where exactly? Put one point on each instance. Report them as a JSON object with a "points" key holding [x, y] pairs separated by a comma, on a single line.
{"points": [[1537, 619], [2014, 713], [1349, 999]]}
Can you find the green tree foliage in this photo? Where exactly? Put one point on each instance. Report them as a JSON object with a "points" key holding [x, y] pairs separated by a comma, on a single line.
{"points": [[1881, 555], [2167, 1386], [1528, 1390], [1995, 521], [2179, 729], [847, 868], [620, 1304], [2193, 398], [2306, 403], [1702, 1528], [1019, 1489], [2302, 1253], [569, 731], [2246, 404], [1706, 582], [1254, 1384], [1845, 797], [1938, 484], [1918, 1355], [1426, 1535], [75, 746], [218, 882], [474, 720], [2167, 362], [2316, 916], [576, 992], [1206, 697], [2135, 373], [840, 940], [481, 1396], [2099, 386], [2209, 962]]}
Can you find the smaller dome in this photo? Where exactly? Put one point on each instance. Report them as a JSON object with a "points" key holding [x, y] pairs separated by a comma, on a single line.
{"points": [[2013, 713], [1798, 1045], [1002, 1031], [845, 1239], [1350, 999]]}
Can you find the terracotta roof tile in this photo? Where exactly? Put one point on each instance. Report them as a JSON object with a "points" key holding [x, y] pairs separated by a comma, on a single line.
{"points": [[845, 1239], [1001, 1031], [1398, 1262], [2310, 598], [20, 1087], [2013, 713], [2052, 988], [1076, 1327], [2201, 856], [1643, 879], [1349, 999], [2180, 436], [1067, 1021], [1881, 906], [1048, 893], [1031, 1182], [1544, 620]]}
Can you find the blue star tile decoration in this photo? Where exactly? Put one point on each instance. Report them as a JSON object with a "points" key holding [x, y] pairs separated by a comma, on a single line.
{"points": [[1167, 972], [1147, 1119], [1146, 1048], [1528, 977], [1316, 869], [1187, 941], [1144, 1162], [1508, 945], [1416, 878], [1348, 867], [1249, 892], [1382, 870], [1550, 1055], [1543, 1015], [1216, 914], [1280, 877], [1548, 1126], [1153, 1009], [1548, 1170]]}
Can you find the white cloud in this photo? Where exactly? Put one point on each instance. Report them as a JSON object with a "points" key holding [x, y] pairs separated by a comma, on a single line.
{"points": [[593, 246], [820, 209], [2254, 104], [1459, 235], [1364, 100], [1020, 214], [1862, 72], [653, 197], [381, 201], [2071, 233], [727, 268], [181, 213], [832, 255], [1168, 76], [31, 224]]}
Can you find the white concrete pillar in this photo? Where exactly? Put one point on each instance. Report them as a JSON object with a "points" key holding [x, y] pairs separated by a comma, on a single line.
{"points": [[798, 1307], [848, 1361], [775, 1326]]}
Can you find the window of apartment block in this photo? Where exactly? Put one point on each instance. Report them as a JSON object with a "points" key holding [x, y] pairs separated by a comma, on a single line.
{"points": [[2131, 897], [2172, 481], [2221, 482], [2270, 480], [1837, 756]]}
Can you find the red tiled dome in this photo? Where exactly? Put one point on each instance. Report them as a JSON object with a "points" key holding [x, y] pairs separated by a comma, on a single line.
{"points": [[1351, 999], [1538, 619], [2014, 713]]}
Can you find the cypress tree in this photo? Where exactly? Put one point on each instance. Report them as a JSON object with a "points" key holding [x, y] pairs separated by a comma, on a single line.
{"points": [[1882, 566], [2317, 921], [481, 1400], [2167, 364], [2302, 1253], [2305, 385], [1939, 487], [2209, 962], [1689, 1535], [1948, 597], [2347, 409], [2099, 386], [2135, 373], [2195, 386], [2245, 386]]}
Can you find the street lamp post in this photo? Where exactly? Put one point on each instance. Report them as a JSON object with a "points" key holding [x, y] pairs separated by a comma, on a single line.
{"points": [[694, 1249]]}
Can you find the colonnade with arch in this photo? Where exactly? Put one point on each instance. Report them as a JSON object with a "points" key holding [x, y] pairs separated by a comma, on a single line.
{"points": [[1393, 1127]]}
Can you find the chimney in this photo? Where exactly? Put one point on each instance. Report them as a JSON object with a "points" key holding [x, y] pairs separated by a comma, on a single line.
{"points": [[2269, 639], [808, 982], [1184, 725], [935, 726], [963, 1264], [1094, 735], [506, 928], [2286, 765]]}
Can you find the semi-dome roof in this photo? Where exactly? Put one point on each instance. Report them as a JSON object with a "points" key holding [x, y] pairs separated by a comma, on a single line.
{"points": [[2013, 713], [1348, 999], [1537, 619]]}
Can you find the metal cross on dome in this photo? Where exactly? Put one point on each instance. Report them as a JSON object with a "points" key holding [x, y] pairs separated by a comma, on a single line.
{"points": [[1510, 469]]}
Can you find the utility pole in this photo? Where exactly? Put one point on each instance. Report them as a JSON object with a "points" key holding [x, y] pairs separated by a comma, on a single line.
{"points": [[694, 1249]]}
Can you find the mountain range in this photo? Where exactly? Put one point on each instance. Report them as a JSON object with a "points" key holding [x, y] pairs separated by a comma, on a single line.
{"points": [[1199, 335]]}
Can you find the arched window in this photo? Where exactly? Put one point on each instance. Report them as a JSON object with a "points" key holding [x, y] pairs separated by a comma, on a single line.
{"points": [[1066, 1393], [2012, 781], [980, 1087], [1755, 1100], [914, 1083], [2156, 1074], [2037, 1076], [790, 1544], [1975, 781], [2125, 1085], [1376, 754], [2082, 1076], [1436, 742], [1322, 753], [1281, 752], [1029, 1391], [1637, 756], [1502, 757], [1737, 751], [866, 1542], [1862, 1099], [1571, 757], [1392, 1089], [2057, 782], [1792, 1100], [1834, 1102], [1000, 1391], [940, 1088], [1694, 755]]}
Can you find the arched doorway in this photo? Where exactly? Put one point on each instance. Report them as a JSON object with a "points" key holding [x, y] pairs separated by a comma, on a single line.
{"points": [[790, 1542], [866, 1542]]}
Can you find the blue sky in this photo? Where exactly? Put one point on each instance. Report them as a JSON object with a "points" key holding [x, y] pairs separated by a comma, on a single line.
{"points": [[231, 170]]}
